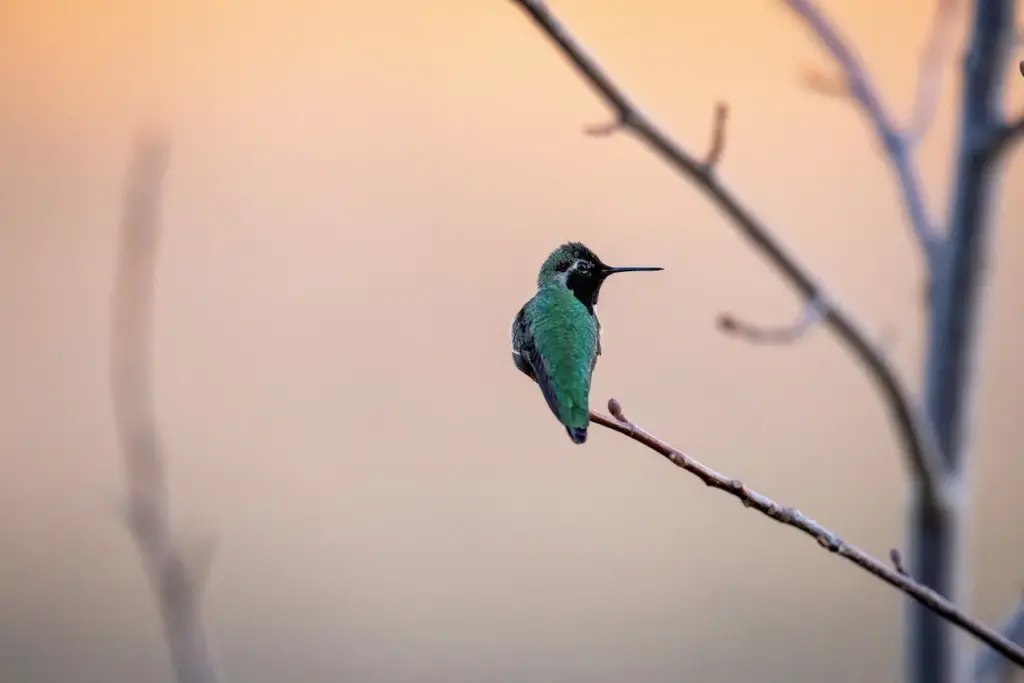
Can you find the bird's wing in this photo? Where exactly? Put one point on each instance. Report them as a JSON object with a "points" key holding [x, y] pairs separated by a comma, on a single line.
{"points": [[529, 361]]}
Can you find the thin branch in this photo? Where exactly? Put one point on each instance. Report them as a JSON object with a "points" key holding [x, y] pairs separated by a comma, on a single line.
{"points": [[929, 73], [990, 666], [825, 538], [717, 146], [896, 144], [174, 583], [917, 438], [812, 314]]}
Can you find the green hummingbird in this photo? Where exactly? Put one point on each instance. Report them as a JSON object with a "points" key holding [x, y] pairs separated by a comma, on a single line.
{"points": [[556, 336]]}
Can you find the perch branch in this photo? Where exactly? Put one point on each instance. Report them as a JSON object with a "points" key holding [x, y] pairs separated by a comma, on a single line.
{"points": [[990, 666], [825, 538], [174, 582], [918, 440], [857, 83], [812, 314]]}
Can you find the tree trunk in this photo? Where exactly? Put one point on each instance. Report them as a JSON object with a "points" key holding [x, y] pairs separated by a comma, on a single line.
{"points": [[937, 546]]}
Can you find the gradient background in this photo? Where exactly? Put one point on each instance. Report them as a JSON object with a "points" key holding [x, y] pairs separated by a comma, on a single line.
{"points": [[359, 199]]}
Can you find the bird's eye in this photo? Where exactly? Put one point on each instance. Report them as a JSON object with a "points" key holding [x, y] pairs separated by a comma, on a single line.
{"points": [[582, 266]]}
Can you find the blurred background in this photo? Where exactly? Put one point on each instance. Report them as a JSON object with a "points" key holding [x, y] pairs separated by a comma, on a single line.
{"points": [[359, 198]]}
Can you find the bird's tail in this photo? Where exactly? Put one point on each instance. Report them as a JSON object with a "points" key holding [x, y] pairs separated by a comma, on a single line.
{"points": [[577, 434]]}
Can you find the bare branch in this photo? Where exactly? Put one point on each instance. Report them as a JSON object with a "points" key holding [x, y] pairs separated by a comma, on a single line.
{"points": [[917, 438], [825, 538], [896, 144], [989, 665], [132, 393], [812, 314]]}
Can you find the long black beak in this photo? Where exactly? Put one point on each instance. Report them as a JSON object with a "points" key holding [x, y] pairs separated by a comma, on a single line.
{"points": [[631, 269]]}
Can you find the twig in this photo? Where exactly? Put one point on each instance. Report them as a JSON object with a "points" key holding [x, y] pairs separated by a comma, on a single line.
{"points": [[174, 583], [825, 538], [812, 314], [917, 438], [895, 143], [717, 146], [990, 665]]}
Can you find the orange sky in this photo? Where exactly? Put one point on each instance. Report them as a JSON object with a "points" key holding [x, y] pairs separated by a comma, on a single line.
{"points": [[360, 196]]}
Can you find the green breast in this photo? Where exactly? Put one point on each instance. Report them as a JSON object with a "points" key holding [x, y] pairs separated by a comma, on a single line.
{"points": [[566, 338]]}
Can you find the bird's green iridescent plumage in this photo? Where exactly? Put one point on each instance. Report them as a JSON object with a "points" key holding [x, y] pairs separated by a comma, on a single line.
{"points": [[566, 336], [556, 336]]}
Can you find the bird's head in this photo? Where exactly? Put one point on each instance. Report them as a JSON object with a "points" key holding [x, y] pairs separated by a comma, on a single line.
{"points": [[579, 269]]}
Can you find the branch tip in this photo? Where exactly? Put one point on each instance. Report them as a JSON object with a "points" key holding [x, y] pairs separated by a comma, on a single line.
{"points": [[717, 146], [820, 83], [813, 313], [604, 130]]}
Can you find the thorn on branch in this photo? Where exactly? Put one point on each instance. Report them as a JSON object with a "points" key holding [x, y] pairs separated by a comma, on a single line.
{"points": [[813, 313], [717, 146], [897, 561]]}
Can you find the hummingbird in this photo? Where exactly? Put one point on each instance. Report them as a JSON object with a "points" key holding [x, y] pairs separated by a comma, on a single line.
{"points": [[556, 336]]}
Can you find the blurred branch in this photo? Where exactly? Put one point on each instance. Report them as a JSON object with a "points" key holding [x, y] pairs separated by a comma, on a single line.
{"points": [[812, 314], [827, 539], [857, 84], [1007, 134], [177, 585], [917, 438], [990, 666], [929, 72]]}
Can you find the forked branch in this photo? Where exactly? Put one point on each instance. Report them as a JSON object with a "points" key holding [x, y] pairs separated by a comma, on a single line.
{"points": [[894, 576], [918, 440], [855, 82], [175, 582]]}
